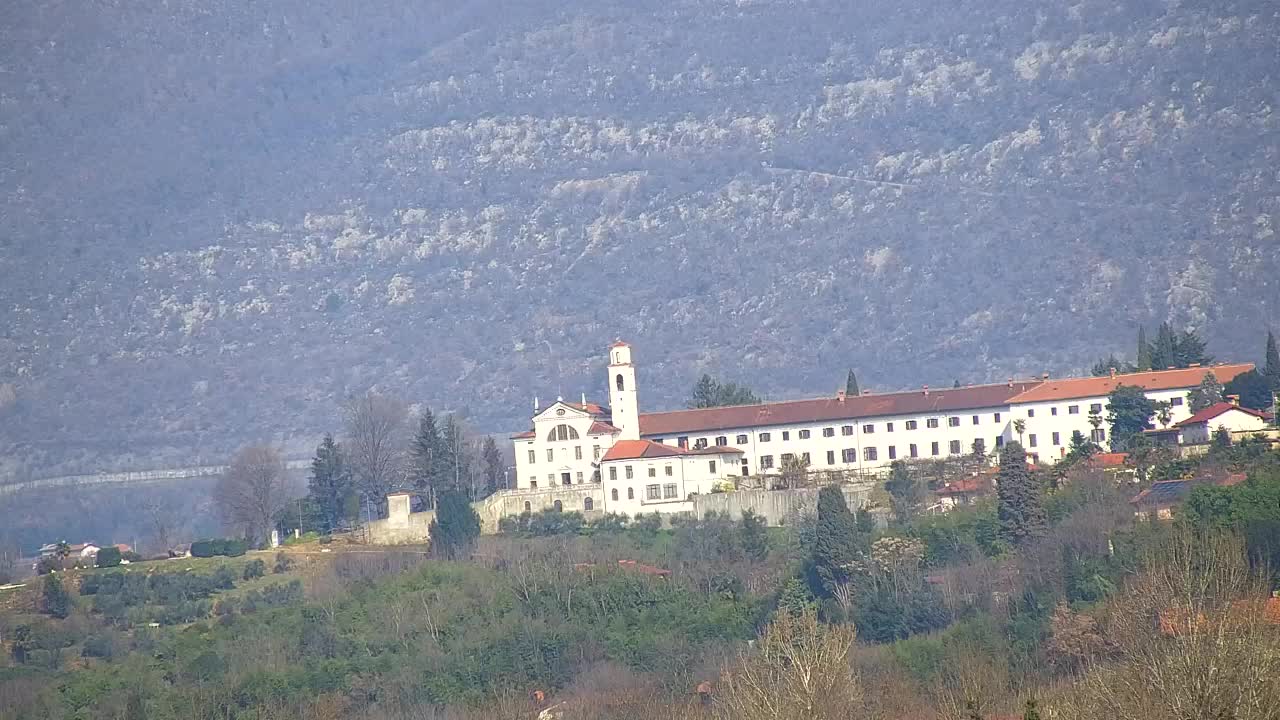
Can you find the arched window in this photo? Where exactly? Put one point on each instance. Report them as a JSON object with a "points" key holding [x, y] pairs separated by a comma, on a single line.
{"points": [[588, 504], [631, 493], [618, 381], [559, 506], [527, 507], [614, 494], [562, 432]]}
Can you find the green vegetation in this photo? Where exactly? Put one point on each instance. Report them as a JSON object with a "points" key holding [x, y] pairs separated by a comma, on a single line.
{"points": [[1129, 412], [219, 547], [709, 392]]}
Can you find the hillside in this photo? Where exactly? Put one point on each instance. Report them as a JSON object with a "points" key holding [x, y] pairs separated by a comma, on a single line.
{"points": [[224, 217]]}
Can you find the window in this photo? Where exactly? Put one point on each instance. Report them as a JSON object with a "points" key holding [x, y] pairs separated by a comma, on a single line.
{"points": [[831, 457], [764, 437], [1031, 413], [1098, 435], [577, 452], [828, 432], [954, 447], [551, 455], [712, 467], [975, 419], [1073, 409], [1053, 411], [667, 470], [893, 453], [699, 444], [999, 441], [533, 457], [849, 455], [979, 446], [741, 440], [912, 425], [653, 472], [565, 479], [1031, 440], [786, 435], [562, 432], [804, 458], [631, 493], [652, 492], [628, 472], [912, 450], [527, 507], [1176, 401], [766, 462], [934, 448], [888, 427], [869, 454], [953, 421], [617, 382], [578, 477], [659, 440], [669, 491], [868, 429], [551, 479], [931, 423], [787, 457], [997, 417], [588, 504], [721, 441], [595, 452], [533, 484], [1056, 441], [613, 474], [1096, 408], [595, 477], [803, 435], [846, 430], [683, 441]]}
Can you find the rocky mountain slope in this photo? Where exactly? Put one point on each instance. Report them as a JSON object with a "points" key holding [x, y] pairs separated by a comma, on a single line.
{"points": [[224, 217]]}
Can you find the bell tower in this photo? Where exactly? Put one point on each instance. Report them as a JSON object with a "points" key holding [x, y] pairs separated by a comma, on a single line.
{"points": [[622, 392]]}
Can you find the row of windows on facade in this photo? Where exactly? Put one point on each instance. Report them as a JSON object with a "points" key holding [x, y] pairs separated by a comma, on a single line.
{"points": [[577, 453], [668, 491], [567, 479], [870, 428], [872, 454]]}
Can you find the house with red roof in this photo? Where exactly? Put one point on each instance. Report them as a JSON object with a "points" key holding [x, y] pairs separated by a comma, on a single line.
{"points": [[1200, 427]]}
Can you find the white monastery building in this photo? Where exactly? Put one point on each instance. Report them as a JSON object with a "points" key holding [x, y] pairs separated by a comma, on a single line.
{"points": [[647, 462]]}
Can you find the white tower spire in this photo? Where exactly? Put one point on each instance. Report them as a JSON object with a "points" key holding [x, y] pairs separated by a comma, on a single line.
{"points": [[622, 392]]}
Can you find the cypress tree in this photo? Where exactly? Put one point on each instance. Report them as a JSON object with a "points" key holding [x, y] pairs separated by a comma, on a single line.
{"points": [[54, 599], [851, 384], [1271, 368], [1165, 350], [1144, 350], [455, 527], [428, 456], [906, 493], [494, 468], [1021, 512], [836, 542], [455, 466], [330, 483], [1209, 392]]}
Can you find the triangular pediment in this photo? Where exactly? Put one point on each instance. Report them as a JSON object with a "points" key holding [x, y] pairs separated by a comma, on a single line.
{"points": [[560, 410]]}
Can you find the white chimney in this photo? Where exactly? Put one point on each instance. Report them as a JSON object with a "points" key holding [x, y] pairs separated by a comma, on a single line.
{"points": [[840, 395], [926, 389]]}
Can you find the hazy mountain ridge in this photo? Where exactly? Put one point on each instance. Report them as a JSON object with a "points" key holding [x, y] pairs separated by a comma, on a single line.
{"points": [[771, 191]]}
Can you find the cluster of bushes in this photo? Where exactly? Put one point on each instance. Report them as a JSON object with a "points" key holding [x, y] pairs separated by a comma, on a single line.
{"points": [[274, 595], [549, 522], [124, 598], [219, 547]]}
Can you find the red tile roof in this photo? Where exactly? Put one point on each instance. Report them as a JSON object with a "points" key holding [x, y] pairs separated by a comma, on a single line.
{"points": [[1215, 410], [965, 486], [619, 343], [1071, 388], [526, 435], [832, 409], [641, 449], [602, 428], [1109, 459]]}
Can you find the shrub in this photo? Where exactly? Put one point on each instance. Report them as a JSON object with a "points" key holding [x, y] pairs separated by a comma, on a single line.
{"points": [[284, 563], [219, 547], [109, 557], [101, 645], [254, 569], [54, 599], [224, 578], [48, 564]]}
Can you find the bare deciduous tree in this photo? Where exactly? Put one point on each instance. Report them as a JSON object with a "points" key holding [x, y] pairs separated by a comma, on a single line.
{"points": [[252, 491], [160, 522], [377, 435]]}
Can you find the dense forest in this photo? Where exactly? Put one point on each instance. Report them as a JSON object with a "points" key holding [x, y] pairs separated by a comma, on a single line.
{"points": [[224, 218], [1047, 600]]}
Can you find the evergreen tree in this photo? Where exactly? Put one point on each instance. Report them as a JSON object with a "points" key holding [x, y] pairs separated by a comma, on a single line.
{"points": [[1020, 510], [754, 535], [455, 527], [851, 385], [1252, 388], [54, 599], [956, 384], [837, 543], [454, 468], [1271, 367], [1144, 350], [1129, 412], [1221, 438], [1164, 350], [1209, 392], [494, 468], [1080, 447], [906, 492], [1032, 712], [1103, 367], [795, 599], [1189, 349], [709, 392], [427, 452], [330, 484]]}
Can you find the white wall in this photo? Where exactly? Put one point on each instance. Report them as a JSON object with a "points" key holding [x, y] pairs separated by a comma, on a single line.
{"points": [[688, 473], [549, 471], [1043, 419], [1235, 421]]}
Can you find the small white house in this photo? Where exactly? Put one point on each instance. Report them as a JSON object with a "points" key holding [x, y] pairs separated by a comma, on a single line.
{"points": [[643, 476], [1199, 428]]}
